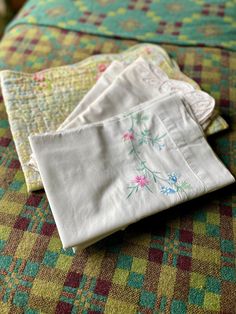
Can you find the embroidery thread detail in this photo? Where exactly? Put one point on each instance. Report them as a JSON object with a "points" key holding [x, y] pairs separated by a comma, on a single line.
{"points": [[169, 184]]}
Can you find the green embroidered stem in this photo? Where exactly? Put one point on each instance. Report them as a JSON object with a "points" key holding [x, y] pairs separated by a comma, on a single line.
{"points": [[133, 188], [172, 185], [144, 166]]}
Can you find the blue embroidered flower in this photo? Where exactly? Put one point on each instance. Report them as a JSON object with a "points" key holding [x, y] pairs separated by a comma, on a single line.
{"points": [[173, 178], [147, 177], [167, 190]]}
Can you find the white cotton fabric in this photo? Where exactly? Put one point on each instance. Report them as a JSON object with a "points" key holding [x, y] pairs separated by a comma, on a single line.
{"points": [[122, 87], [138, 82], [114, 69], [89, 173]]}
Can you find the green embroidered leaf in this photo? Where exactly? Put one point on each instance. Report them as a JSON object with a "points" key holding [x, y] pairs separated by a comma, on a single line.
{"points": [[183, 186], [145, 132], [140, 142], [139, 118], [147, 187], [130, 194], [133, 188], [141, 137]]}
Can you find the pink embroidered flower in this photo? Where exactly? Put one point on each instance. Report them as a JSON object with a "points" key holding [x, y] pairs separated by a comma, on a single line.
{"points": [[102, 67], [141, 181], [128, 136], [148, 50], [39, 77]]}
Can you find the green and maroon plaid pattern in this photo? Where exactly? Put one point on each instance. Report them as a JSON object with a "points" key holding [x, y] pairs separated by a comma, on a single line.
{"points": [[179, 261], [198, 22]]}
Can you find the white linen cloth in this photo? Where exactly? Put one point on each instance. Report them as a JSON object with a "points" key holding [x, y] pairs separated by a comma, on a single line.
{"points": [[121, 88], [101, 85], [114, 69], [144, 82], [105, 175]]}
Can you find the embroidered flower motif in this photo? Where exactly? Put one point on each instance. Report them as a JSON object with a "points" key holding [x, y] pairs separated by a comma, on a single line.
{"points": [[172, 178], [167, 190], [141, 181], [148, 50], [146, 138], [39, 77], [140, 118], [43, 82], [168, 184], [174, 185], [102, 67], [128, 136]]}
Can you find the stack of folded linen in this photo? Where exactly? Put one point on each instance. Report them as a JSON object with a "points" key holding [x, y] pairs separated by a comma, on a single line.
{"points": [[133, 146]]}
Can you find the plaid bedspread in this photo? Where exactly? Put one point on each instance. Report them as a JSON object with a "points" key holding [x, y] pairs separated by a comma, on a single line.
{"points": [[207, 23], [179, 261]]}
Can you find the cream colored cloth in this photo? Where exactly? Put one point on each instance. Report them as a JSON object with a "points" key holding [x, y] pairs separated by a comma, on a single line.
{"points": [[100, 86], [144, 82], [106, 175]]}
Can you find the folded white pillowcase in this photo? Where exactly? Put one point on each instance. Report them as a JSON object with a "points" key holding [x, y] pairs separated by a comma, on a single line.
{"points": [[103, 176], [144, 81], [101, 85], [122, 87]]}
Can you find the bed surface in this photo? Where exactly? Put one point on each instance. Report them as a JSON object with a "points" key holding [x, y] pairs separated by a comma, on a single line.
{"points": [[179, 261]]}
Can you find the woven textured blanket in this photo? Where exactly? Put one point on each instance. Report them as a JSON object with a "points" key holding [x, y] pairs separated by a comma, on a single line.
{"points": [[181, 261], [210, 23]]}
